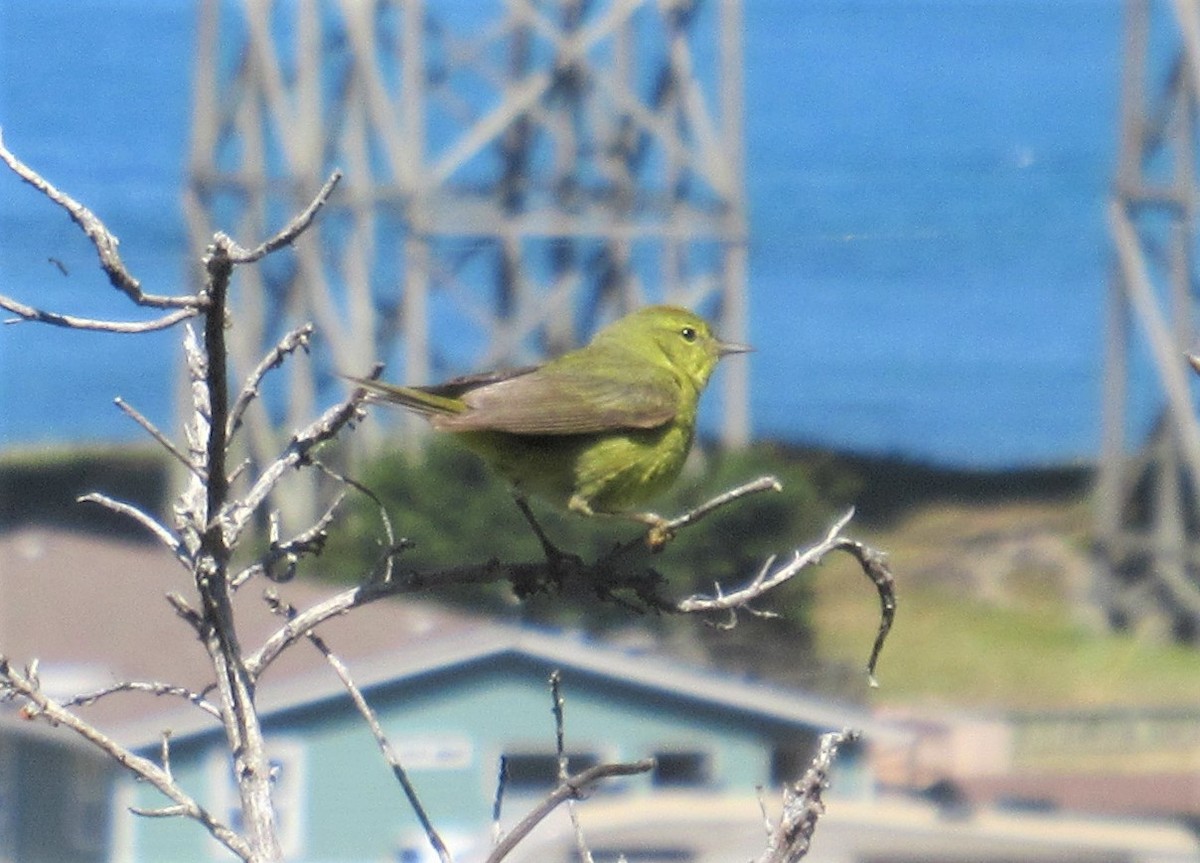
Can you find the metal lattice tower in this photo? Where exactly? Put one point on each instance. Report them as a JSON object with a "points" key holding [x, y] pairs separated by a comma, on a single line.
{"points": [[1148, 520], [515, 177]]}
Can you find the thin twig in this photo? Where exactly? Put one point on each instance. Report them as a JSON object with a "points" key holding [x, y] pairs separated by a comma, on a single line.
{"points": [[762, 809], [150, 687], [102, 240], [383, 571], [39, 705], [185, 612], [298, 338], [763, 483], [164, 752], [73, 322], [873, 563], [571, 789], [498, 800], [368, 714], [141, 517], [291, 231], [556, 697], [660, 533], [766, 580], [236, 515], [154, 432], [308, 542], [556, 707], [189, 508], [163, 812]]}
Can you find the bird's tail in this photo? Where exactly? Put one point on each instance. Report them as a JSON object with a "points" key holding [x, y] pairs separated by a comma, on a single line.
{"points": [[415, 399]]}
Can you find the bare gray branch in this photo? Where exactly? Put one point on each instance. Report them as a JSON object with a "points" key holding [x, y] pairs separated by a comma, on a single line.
{"points": [[237, 513], [102, 239], [803, 804], [297, 339], [13, 683], [763, 483], [574, 787], [606, 572], [149, 687], [144, 519], [292, 230], [153, 430], [29, 313], [385, 746]]}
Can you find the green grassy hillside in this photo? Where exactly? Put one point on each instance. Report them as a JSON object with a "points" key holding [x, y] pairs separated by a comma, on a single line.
{"points": [[993, 612]]}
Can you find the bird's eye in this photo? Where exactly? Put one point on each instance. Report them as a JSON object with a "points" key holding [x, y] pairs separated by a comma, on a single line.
{"points": [[688, 333]]}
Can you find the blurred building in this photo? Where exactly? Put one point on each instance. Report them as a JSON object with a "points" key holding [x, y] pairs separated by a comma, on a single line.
{"points": [[56, 795], [455, 693], [1131, 762], [453, 707]]}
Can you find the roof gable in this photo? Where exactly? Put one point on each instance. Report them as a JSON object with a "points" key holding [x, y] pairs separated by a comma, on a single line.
{"points": [[444, 658]]}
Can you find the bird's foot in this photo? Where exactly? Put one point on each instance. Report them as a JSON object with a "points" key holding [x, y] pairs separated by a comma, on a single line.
{"points": [[660, 530]]}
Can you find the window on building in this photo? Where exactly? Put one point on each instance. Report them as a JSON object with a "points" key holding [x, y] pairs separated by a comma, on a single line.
{"points": [[538, 771], [87, 804], [790, 759], [682, 769]]}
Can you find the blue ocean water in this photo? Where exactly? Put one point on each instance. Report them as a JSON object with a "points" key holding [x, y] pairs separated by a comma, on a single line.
{"points": [[926, 181]]}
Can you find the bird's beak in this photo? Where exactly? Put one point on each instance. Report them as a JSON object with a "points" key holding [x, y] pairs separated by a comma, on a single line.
{"points": [[726, 348]]}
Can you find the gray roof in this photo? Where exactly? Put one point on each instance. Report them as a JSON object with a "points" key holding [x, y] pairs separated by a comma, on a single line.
{"points": [[93, 611]]}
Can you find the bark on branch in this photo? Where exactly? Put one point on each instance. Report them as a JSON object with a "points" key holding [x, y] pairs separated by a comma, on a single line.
{"points": [[803, 804]]}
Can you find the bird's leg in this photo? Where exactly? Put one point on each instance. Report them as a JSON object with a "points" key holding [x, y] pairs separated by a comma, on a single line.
{"points": [[659, 534], [552, 551]]}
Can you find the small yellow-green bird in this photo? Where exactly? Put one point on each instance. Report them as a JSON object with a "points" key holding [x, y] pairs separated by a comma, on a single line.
{"points": [[599, 430]]}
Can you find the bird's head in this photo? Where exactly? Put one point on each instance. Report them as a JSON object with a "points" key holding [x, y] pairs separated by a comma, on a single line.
{"points": [[677, 336]]}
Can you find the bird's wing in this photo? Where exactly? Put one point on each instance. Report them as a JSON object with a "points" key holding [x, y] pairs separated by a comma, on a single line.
{"points": [[456, 387], [570, 398], [444, 399]]}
